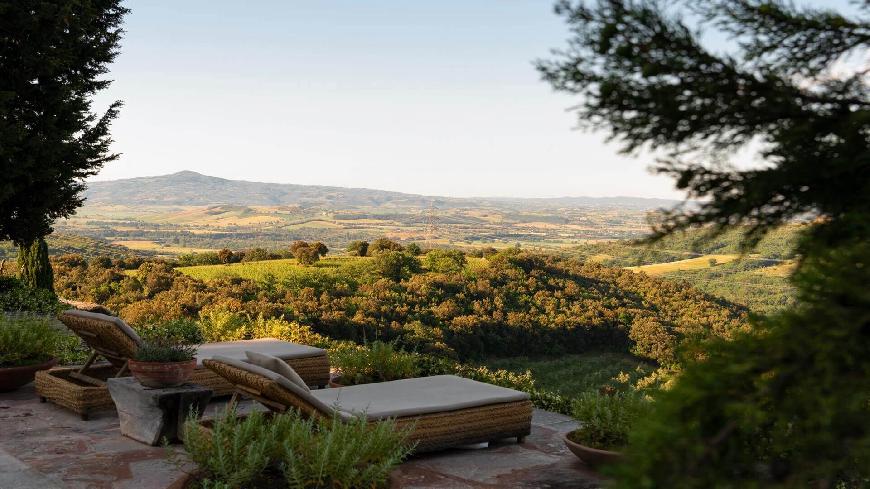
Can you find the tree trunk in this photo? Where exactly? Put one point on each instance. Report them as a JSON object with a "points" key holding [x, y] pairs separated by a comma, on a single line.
{"points": [[34, 265]]}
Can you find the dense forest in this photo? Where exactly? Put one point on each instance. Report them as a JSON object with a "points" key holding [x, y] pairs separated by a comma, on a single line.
{"points": [[516, 303]]}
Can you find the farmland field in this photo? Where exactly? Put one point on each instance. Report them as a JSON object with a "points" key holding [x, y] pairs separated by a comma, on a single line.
{"points": [[571, 375], [279, 270], [688, 264]]}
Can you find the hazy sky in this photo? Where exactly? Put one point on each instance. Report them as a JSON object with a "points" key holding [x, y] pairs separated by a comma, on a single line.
{"points": [[436, 98]]}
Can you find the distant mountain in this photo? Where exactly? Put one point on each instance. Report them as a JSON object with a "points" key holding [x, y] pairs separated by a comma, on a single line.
{"points": [[189, 188]]}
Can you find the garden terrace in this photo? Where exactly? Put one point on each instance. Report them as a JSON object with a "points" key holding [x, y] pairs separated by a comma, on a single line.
{"points": [[44, 446]]}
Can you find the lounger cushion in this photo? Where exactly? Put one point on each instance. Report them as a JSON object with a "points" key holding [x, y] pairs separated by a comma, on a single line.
{"points": [[282, 381], [276, 365], [267, 346], [413, 397], [111, 319]]}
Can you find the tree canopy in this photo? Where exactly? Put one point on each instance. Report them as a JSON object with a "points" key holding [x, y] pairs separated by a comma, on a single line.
{"points": [[53, 56], [645, 78], [784, 404]]}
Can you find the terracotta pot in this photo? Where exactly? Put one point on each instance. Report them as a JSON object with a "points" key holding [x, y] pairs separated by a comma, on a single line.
{"points": [[160, 375], [12, 378], [592, 457]]}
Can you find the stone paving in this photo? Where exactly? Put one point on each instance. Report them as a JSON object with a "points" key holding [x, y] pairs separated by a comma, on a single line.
{"points": [[43, 446]]}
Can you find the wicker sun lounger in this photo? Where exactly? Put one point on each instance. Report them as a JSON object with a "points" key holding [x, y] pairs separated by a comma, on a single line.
{"points": [[443, 411], [83, 389]]}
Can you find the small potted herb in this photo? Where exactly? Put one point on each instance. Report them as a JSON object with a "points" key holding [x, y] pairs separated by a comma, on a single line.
{"points": [[606, 419], [161, 364], [27, 344]]}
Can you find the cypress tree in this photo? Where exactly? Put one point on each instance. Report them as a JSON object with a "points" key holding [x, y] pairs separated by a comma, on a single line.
{"points": [[53, 58]]}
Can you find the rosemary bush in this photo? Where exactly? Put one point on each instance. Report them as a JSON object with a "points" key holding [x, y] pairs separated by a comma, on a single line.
{"points": [[165, 352], [289, 451], [27, 340], [607, 419], [377, 362]]}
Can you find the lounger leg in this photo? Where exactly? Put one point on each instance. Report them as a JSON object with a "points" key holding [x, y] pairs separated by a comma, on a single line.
{"points": [[85, 416], [521, 439], [42, 399]]}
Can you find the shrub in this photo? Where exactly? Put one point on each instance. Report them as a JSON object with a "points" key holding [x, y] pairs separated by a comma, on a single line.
{"points": [[358, 248], [219, 324], [308, 253], [445, 261], [16, 296], [395, 265], [181, 330], [164, 352], [289, 451], [607, 418], [27, 340], [378, 362], [382, 245], [288, 331]]}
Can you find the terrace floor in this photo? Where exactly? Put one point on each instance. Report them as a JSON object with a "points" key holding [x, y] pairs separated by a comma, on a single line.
{"points": [[46, 447]]}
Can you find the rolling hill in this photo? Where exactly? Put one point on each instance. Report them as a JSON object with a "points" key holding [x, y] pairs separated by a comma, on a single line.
{"points": [[189, 188]]}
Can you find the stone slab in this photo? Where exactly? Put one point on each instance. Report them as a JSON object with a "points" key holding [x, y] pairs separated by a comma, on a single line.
{"points": [[53, 446], [154, 415]]}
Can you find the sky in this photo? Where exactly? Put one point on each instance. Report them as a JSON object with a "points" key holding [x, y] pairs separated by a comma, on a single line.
{"points": [[435, 98]]}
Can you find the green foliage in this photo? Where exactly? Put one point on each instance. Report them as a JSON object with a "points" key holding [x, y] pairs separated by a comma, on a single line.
{"points": [[375, 362], [50, 139], [181, 330], [34, 265], [15, 296], [288, 331], [646, 78], [193, 259], [237, 451], [308, 253], [414, 249], [382, 245], [445, 261], [340, 453], [571, 375], [607, 418], [517, 304], [779, 406], [396, 265], [27, 340], [219, 324], [784, 404], [653, 340], [164, 351], [358, 248], [289, 451]]}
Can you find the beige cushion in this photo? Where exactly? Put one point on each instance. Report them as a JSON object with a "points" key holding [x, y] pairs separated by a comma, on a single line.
{"points": [[276, 365], [111, 319], [412, 397], [266, 346], [283, 382]]}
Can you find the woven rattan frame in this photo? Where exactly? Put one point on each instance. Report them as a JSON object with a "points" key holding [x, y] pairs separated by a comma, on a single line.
{"points": [[430, 431], [104, 338], [58, 386], [82, 389]]}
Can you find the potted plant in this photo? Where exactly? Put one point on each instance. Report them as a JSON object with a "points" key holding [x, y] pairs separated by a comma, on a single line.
{"points": [[377, 362], [606, 419], [27, 344], [162, 364]]}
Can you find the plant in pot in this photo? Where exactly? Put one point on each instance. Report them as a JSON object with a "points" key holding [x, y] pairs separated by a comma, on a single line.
{"points": [[163, 363], [377, 362], [27, 344], [606, 419]]}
